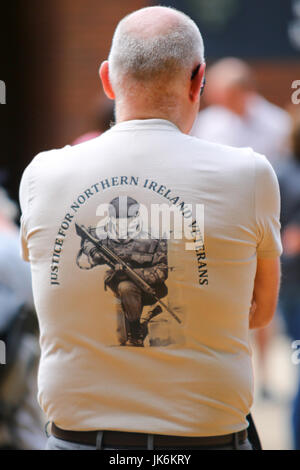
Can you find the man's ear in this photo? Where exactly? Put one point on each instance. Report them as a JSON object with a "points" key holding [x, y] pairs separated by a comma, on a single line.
{"points": [[104, 76], [196, 83]]}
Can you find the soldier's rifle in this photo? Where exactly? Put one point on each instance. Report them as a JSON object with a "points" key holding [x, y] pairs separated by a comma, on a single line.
{"points": [[112, 259]]}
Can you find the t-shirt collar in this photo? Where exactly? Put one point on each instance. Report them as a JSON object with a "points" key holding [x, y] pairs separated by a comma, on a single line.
{"points": [[143, 124]]}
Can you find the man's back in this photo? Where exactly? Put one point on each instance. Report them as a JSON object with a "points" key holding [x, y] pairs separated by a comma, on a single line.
{"points": [[192, 375]]}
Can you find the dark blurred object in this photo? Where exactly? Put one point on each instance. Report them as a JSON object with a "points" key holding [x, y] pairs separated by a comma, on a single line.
{"points": [[20, 420], [3, 176], [19, 414], [12, 122], [256, 29], [289, 298], [13, 386], [11, 330], [253, 434]]}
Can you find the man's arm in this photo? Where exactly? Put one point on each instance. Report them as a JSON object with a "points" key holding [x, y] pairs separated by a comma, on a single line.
{"points": [[158, 272], [269, 248], [265, 293]]}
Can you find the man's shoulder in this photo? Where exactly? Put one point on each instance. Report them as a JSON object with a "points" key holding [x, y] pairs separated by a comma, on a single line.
{"points": [[262, 164], [222, 154], [64, 155], [48, 158]]}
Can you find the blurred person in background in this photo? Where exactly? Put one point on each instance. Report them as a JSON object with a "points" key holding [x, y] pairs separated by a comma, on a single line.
{"points": [[20, 418], [237, 115], [289, 300], [103, 117]]}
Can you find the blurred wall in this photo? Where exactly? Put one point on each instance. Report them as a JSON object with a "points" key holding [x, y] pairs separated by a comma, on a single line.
{"points": [[50, 58], [274, 80], [76, 37], [11, 113]]}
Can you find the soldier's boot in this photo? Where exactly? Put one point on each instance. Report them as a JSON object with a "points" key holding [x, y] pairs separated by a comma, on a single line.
{"points": [[135, 337]]}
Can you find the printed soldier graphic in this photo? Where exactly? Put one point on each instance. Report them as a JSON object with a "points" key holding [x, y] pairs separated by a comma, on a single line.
{"points": [[138, 267]]}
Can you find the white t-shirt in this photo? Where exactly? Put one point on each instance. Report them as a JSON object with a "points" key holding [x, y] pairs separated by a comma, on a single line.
{"points": [[192, 374], [265, 128]]}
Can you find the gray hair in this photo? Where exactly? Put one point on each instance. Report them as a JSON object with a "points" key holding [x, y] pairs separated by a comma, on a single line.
{"points": [[145, 58]]}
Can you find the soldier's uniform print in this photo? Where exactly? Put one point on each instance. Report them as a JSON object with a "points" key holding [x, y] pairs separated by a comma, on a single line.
{"points": [[147, 258]]}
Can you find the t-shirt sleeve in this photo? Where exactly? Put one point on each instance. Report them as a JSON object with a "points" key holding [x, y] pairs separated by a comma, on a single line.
{"points": [[267, 209], [25, 198]]}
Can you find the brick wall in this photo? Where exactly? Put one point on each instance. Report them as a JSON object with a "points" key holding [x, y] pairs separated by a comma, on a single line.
{"points": [[274, 79], [85, 29], [66, 42]]}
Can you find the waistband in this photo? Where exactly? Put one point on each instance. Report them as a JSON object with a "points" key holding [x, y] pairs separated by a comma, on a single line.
{"points": [[133, 439]]}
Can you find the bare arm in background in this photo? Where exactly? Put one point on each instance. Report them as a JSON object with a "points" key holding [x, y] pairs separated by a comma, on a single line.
{"points": [[265, 293]]}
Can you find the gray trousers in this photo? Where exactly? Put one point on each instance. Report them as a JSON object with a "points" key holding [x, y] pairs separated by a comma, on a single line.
{"points": [[58, 444]]}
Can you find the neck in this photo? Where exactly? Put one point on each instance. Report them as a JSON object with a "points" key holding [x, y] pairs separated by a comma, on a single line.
{"points": [[240, 109], [174, 112]]}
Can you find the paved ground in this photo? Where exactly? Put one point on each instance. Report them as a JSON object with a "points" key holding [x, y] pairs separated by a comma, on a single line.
{"points": [[272, 416]]}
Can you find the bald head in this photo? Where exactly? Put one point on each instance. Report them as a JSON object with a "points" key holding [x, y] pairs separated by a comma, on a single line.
{"points": [[152, 21], [154, 43]]}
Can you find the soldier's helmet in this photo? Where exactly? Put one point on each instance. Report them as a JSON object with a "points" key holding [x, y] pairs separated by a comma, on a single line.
{"points": [[124, 218], [123, 207]]}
